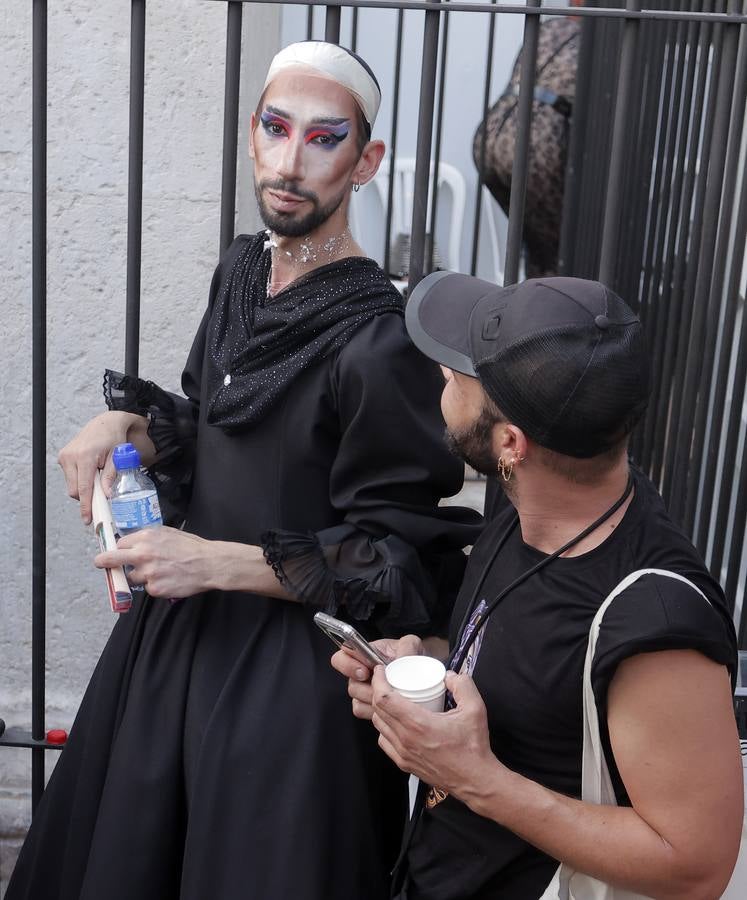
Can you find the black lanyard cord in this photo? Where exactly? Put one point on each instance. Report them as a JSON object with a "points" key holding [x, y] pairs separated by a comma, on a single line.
{"points": [[456, 660]]}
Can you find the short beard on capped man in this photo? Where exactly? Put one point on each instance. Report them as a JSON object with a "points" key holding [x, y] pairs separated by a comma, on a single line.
{"points": [[283, 224], [474, 444]]}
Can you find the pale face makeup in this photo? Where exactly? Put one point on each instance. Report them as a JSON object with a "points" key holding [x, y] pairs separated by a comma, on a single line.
{"points": [[305, 151]]}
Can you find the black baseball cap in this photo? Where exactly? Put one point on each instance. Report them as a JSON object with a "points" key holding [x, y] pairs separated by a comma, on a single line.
{"points": [[563, 358]]}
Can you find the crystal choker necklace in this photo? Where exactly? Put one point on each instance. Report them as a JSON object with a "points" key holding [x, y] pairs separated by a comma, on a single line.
{"points": [[309, 250]]}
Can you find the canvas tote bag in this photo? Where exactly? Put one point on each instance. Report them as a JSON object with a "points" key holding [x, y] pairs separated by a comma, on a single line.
{"points": [[596, 785]]}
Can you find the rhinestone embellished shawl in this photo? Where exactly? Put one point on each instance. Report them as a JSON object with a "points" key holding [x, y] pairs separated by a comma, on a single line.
{"points": [[257, 346]]}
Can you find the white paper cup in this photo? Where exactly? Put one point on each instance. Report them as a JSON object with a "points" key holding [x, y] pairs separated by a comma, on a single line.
{"points": [[420, 679]]}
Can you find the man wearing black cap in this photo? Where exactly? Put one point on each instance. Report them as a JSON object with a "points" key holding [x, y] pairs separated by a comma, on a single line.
{"points": [[545, 381]]}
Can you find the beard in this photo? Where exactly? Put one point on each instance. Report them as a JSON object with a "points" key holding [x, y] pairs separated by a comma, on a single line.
{"points": [[474, 444], [283, 224]]}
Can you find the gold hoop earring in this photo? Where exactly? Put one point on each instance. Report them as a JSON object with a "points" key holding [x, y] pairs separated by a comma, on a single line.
{"points": [[506, 469]]}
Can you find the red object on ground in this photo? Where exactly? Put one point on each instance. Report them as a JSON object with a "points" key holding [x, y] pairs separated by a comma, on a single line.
{"points": [[56, 736]]}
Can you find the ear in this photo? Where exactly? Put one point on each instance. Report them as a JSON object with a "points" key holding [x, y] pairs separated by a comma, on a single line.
{"points": [[521, 442], [510, 439], [501, 440], [252, 126], [369, 162]]}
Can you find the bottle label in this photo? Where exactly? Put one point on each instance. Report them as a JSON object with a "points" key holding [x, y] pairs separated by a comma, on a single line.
{"points": [[134, 511]]}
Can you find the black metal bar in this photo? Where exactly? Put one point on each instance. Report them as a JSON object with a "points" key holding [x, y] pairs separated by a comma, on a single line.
{"points": [[576, 149], [529, 10], [688, 234], [657, 130], [713, 298], [393, 144], [597, 142], [230, 126], [39, 392], [641, 209], [636, 168], [664, 125], [423, 152], [657, 211], [615, 187], [633, 271], [729, 450], [332, 24], [354, 31], [665, 200], [19, 737], [483, 145], [431, 234], [135, 186], [309, 22], [674, 262], [685, 389], [593, 139], [521, 154]]}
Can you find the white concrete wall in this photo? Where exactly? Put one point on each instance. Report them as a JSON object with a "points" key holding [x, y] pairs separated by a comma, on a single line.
{"points": [[87, 207]]}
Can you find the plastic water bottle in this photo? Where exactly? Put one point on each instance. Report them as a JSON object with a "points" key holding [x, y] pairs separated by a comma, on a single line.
{"points": [[134, 499]]}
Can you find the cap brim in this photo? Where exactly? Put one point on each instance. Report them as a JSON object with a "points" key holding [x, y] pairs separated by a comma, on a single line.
{"points": [[437, 317]]}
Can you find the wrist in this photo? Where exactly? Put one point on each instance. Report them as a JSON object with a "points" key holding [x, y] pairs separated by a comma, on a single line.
{"points": [[133, 424], [234, 567], [133, 428], [492, 787], [218, 565]]}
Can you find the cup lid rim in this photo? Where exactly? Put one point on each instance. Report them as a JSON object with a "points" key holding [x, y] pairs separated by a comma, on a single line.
{"points": [[415, 673]]}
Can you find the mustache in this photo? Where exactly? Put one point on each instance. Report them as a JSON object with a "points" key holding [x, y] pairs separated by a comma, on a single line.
{"points": [[288, 187]]}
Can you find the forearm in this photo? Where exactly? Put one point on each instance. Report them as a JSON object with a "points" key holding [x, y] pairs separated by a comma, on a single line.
{"points": [[136, 430], [242, 567], [613, 844]]}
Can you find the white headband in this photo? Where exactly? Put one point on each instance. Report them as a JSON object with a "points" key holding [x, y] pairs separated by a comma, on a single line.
{"points": [[336, 63]]}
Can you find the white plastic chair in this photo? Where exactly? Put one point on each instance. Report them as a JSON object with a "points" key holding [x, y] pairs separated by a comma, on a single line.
{"points": [[497, 224], [450, 180]]}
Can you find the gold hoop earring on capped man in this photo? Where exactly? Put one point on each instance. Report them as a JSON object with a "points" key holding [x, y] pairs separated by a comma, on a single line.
{"points": [[505, 469]]}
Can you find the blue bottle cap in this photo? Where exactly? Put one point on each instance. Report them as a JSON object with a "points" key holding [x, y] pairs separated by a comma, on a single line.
{"points": [[125, 456]]}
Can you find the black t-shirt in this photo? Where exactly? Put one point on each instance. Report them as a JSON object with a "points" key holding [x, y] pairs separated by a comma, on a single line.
{"points": [[529, 667]]}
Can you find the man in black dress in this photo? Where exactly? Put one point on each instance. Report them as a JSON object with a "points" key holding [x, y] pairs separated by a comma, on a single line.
{"points": [[544, 383], [213, 755]]}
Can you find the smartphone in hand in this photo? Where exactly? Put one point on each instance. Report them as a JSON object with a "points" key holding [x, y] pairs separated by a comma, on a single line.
{"points": [[344, 635]]}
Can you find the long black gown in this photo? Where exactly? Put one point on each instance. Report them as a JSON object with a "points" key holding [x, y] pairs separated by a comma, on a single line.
{"points": [[214, 754]]}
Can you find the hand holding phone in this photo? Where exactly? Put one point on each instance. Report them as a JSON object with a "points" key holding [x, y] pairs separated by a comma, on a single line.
{"points": [[344, 635]]}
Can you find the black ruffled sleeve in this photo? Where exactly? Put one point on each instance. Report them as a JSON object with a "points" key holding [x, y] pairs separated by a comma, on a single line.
{"points": [[172, 427], [396, 561]]}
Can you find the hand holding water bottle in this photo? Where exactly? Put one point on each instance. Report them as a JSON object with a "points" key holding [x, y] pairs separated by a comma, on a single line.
{"points": [[166, 561], [90, 452]]}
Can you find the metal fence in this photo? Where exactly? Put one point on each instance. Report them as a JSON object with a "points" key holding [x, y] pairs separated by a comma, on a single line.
{"points": [[655, 205]]}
